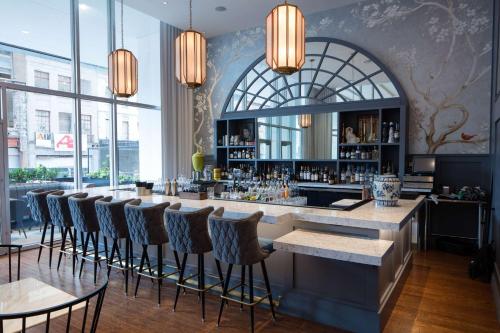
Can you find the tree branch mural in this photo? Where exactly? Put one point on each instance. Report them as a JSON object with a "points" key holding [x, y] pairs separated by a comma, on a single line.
{"points": [[437, 112]]}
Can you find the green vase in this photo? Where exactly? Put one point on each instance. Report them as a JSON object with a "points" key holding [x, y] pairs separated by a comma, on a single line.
{"points": [[198, 160]]}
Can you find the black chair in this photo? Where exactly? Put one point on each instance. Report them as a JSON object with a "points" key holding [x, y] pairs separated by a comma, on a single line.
{"points": [[9, 248], [37, 202], [68, 306], [113, 225], [188, 234], [235, 242], [83, 214], [61, 217], [146, 227]]}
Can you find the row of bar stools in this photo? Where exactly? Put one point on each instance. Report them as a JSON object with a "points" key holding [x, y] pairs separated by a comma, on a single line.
{"points": [[37, 203], [188, 234], [61, 217], [113, 225], [84, 216], [235, 242], [146, 227]]}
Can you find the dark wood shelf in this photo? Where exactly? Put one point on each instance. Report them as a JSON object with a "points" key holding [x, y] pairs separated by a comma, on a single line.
{"points": [[389, 144], [241, 159], [358, 144], [358, 161]]}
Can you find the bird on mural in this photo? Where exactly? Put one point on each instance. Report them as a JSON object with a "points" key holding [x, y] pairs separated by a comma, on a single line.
{"points": [[467, 137]]}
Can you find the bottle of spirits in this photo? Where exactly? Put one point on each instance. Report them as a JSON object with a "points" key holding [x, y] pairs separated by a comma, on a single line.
{"points": [[385, 133], [358, 153], [375, 153], [390, 138], [353, 154], [348, 175], [348, 154], [356, 175], [342, 153], [343, 176], [301, 173], [396, 132]]}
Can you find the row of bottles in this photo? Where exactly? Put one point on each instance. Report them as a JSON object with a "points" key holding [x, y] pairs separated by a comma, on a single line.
{"points": [[316, 174], [359, 153], [242, 154], [355, 174], [390, 132], [276, 172]]}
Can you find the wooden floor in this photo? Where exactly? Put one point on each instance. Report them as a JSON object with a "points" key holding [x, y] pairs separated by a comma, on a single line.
{"points": [[437, 296]]}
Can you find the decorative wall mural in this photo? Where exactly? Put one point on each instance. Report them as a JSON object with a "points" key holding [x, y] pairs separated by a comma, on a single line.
{"points": [[440, 50]]}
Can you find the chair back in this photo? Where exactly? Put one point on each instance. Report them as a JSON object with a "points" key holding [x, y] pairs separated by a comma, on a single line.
{"points": [[235, 241], [37, 202], [188, 230], [65, 308], [145, 223], [83, 214], [111, 217], [59, 208]]}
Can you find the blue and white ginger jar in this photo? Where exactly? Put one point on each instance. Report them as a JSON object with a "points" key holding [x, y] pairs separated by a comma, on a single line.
{"points": [[386, 190]]}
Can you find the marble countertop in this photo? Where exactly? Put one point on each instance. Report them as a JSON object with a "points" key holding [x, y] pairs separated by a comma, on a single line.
{"points": [[344, 248], [367, 216]]}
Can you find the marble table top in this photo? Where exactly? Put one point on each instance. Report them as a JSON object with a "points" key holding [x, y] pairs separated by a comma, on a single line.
{"points": [[367, 216], [29, 295], [331, 246]]}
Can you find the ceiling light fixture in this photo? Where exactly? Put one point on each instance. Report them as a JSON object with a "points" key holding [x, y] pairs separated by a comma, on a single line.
{"points": [[220, 9], [191, 56], [305, 120], [285, 39], [122, 69]]}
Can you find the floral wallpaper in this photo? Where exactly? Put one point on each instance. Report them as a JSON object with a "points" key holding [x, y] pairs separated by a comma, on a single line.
{"points": [[440, 51]]}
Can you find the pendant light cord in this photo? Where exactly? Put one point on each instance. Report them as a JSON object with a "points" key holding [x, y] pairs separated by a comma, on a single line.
{"points": [[190, 14], [122, 22]]}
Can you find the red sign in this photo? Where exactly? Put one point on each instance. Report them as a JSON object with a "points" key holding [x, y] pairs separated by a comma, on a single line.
{"points": [[63, 142]]}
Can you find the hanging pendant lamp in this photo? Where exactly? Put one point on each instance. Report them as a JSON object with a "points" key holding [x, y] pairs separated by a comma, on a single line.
{"points": [[122, 70], [191, 56], [305, 120], [285, 39]]}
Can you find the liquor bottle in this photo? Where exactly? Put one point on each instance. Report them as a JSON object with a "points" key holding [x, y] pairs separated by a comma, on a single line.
{"points": [[353, 177], [375, 153], [396, 132], [358, 153], [363, 154], [356, 175], [348, 154], [362, 175], [353, 154], [385, 133], [301, 173], [342, 153], [325, 175], [390, 139], [238, 154], [348, 175], [231, 154], [343, 176]]}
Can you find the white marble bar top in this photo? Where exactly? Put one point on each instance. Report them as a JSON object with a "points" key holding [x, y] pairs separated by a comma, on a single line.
{"points": [[367, 216], [345, 248]]}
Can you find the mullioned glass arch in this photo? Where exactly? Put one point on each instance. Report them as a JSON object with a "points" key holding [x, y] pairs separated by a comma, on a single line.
{"points": [[334, 72]]}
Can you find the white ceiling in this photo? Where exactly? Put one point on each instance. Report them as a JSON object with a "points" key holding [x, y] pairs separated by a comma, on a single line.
{"points": [[240, 14]]}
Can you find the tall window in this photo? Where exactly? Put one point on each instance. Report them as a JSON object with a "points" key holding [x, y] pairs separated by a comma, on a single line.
{"points": [[41, 79], [125, 130], [86, 124], [43, 121], [64, 122], [64, 83]]}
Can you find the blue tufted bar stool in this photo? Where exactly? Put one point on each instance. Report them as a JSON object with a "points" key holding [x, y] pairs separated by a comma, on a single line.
{"points": [[146, 227], [83, 214], [235, 242], [113, 225], [61, 217], [37, 202], [188, 234]]}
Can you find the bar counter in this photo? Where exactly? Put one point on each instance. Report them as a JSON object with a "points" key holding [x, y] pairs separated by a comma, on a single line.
{"points": [[339, 268]]}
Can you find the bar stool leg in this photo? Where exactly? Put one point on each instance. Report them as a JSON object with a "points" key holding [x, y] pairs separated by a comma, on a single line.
{"points": [[160, 272], [242, 296], [202, 285], [127, 251], [149, 265], [179, 281], [131, 257], [144, 251], [51, 244], [42, 240], [95, 243], [85, 243], [268, 287], [64, 232], [111, 258], [74, 255], [224, 292], [250, 289]]}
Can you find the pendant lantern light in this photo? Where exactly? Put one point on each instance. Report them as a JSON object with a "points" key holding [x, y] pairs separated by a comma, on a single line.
{"points": [[122, 70], [191, 56], [285, 39], [305, 120]]}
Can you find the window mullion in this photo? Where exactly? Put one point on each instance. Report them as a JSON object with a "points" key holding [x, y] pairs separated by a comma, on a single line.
{"points": [[75, 52], [113, 142]]}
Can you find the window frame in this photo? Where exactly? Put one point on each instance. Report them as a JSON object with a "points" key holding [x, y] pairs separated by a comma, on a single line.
{"points": [[66, 86], [37, 77], [67, 130], [42, 114]]}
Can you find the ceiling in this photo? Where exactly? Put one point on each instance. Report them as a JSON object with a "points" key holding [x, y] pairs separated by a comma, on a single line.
{"points": [[239, 14]]}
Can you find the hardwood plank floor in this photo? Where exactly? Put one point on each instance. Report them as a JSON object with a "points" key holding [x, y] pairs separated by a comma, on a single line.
{"points": [[437, 296]]}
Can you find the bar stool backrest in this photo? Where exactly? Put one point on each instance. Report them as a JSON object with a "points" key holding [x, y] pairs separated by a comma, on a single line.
{"points": [[235, 241], [188, 230], [111, 217], [37, 202], [145, 223], [59, 208], [82, 209]]}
